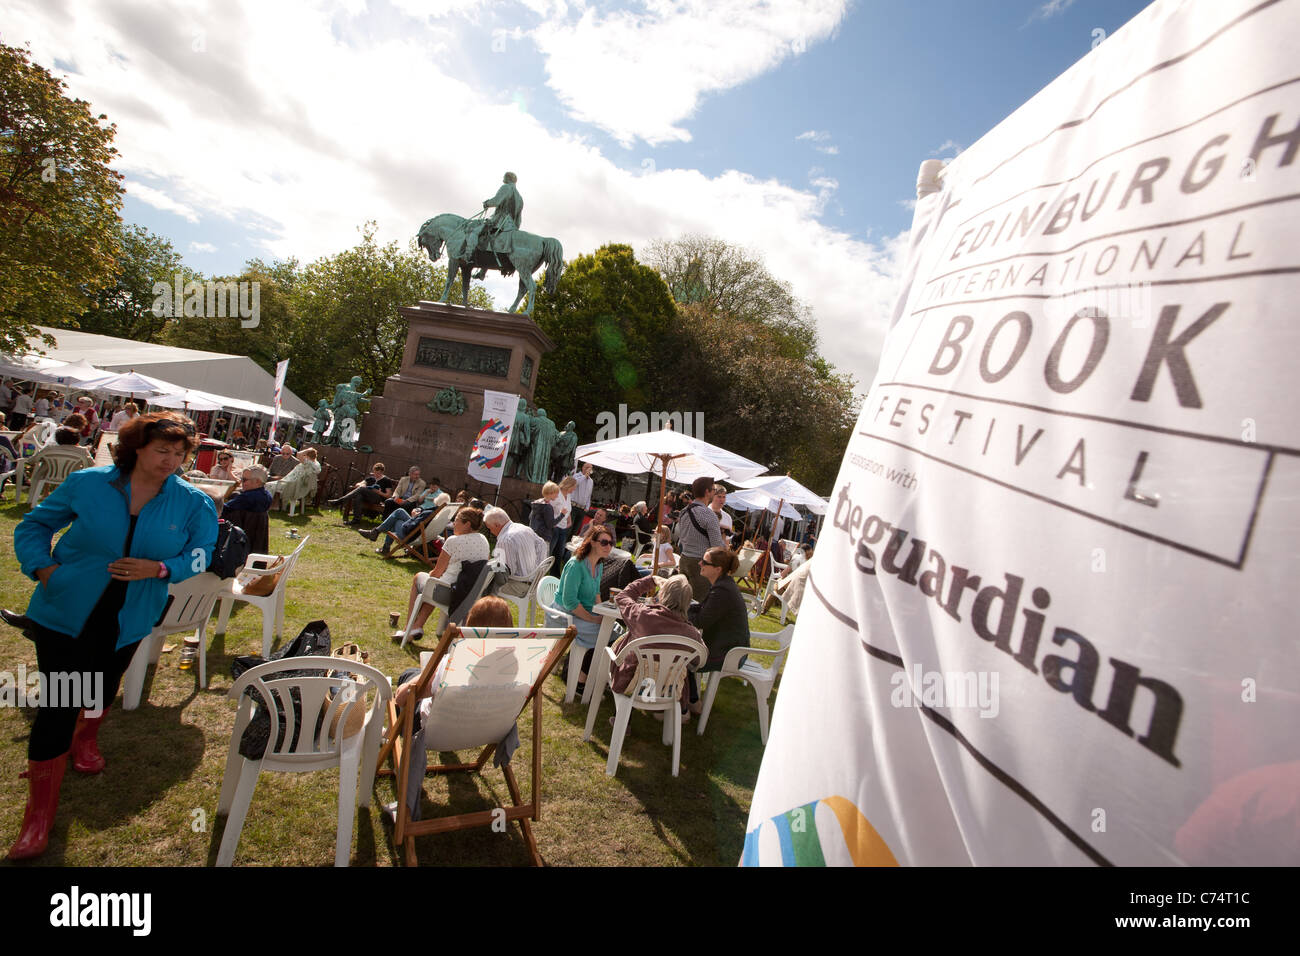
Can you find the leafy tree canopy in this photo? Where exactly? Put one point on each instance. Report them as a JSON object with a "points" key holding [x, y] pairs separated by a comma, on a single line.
{"points": [[59, 201]]}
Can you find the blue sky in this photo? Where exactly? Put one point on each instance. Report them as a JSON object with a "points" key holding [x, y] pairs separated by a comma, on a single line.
{"points": [[795, 129]]}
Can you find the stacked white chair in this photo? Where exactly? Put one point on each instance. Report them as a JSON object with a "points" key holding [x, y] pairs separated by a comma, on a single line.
{"points": [[761, 678], [334, 727], [272, 605], [662, 662]]}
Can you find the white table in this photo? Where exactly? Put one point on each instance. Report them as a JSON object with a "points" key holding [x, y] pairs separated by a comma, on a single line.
{"points": [[598, 675]]}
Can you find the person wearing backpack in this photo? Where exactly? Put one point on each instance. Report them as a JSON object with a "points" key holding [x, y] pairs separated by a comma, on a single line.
{"points": [[697, 531]]}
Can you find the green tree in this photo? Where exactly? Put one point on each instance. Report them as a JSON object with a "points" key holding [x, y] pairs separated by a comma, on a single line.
{"points": [[722, 278], [747, 357], [59, 200], [610, 317], [345, 320], [124, 307]]}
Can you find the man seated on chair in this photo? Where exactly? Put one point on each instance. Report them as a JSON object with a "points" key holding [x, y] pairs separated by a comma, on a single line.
{"points": [[370, 491], [252, 495], [465, 544], [283, 463], [519, 547], [399, 525], [407, 494]]}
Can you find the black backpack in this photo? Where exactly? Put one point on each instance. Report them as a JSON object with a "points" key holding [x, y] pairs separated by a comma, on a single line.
{"points": [[231, 550], [312, 641]]}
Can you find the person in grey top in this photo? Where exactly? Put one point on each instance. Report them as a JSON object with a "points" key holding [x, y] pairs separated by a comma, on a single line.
{"points": [[697, 531]]}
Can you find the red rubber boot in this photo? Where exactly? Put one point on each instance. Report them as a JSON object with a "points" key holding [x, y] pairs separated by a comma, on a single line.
{"points": [[44, 777], [86, 757]]}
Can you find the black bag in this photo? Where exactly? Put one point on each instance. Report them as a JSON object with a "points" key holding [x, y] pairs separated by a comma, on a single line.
{"points": [[230, 552], [312, 641]]}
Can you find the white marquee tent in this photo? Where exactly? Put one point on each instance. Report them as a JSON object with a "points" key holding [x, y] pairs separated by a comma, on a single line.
{"points": [[234, 376]]}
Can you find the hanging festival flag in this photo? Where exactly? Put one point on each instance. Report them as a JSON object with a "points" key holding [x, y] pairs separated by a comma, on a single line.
{"points": [[280, 369], [488, 458], [1048, 620]]}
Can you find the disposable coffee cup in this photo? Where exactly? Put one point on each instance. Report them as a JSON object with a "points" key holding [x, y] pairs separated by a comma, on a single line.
{"points": [[392, 619]]}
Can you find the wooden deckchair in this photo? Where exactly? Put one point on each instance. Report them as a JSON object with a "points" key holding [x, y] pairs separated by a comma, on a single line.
{"points": [[416, 544], [490, 676]]}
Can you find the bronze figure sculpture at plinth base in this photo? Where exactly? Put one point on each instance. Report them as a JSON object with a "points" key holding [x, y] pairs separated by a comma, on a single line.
{"points": [[430, 411]]}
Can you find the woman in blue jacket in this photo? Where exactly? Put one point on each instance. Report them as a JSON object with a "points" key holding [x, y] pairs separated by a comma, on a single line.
{"points": [[135, 528]]}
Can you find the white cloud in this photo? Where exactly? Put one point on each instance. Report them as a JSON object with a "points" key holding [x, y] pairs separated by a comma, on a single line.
{"points": [[638, 75], [819, 141], [298, 144], [202, 247], [1050, 9], [948, 144], [160, 200]]}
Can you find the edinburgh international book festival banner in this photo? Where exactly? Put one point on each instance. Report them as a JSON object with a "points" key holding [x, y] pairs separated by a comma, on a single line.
{"points": [[487, 459], [1050, 618]]}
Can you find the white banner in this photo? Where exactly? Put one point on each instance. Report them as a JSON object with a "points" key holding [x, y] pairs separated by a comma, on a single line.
{"points": [[1049, 615], [280, 369], [487, 460]]}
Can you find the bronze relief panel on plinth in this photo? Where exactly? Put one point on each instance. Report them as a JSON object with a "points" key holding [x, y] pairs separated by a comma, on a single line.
{"points": [[463, 357]]}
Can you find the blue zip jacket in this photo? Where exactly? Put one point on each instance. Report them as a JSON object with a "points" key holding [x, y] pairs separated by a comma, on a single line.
{"points": [[178, 527]]}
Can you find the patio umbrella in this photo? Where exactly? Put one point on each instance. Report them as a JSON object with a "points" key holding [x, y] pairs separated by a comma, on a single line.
{"points": [[784, 488], [67, 374], [130, 383], [762, 501], [669, 454], [189, 400]]}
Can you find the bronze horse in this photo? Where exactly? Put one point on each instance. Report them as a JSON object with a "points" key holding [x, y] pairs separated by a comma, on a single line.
{"points": [[530, 251]]}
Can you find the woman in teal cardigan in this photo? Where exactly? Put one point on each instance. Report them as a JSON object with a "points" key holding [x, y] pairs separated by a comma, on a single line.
{"points": [[133, 528], [580, 586]]}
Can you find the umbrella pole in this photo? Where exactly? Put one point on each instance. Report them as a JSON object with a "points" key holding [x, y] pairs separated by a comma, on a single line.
{"points": [[771, 539], [663, 482]]}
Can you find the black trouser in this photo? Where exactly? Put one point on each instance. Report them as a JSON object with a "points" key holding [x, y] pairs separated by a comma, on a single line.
{"points": [[58, 654]]}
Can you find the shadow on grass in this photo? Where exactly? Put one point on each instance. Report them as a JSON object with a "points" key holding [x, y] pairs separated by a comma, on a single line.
{"points": [[693, 815], [140, 772]]}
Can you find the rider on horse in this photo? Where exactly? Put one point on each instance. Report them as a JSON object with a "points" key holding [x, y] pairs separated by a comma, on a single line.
{"points": [[499, 229]]}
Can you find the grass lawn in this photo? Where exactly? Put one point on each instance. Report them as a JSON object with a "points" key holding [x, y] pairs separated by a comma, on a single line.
{"points": [[155, 805]]}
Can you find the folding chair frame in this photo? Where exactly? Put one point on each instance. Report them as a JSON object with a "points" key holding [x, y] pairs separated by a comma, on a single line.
{"points": [[398, 746]]}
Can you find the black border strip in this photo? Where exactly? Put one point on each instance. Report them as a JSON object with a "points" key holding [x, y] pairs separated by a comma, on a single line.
{"points": [[1158, 429], [1171, 224], [1169, 132], [943, 723], [1149, 536], [1173, 61]]}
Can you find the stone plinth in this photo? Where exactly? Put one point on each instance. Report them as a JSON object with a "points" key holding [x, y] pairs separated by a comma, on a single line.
{"points": [[471, 350]]}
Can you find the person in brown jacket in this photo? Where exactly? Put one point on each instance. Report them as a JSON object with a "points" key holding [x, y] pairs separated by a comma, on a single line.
{"points": [[665, 615]]}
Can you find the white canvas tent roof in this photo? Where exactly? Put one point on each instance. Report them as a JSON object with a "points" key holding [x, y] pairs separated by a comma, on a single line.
{"points": [[235, 376]]}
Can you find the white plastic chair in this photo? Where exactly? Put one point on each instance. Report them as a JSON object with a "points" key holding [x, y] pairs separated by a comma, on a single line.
{"points": [[762, 679], [191, 605], [328, 735], [50, 466], [770, 591], [443, 611], [272, 605], [657, 686], [527, 602], [553, 616]]}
